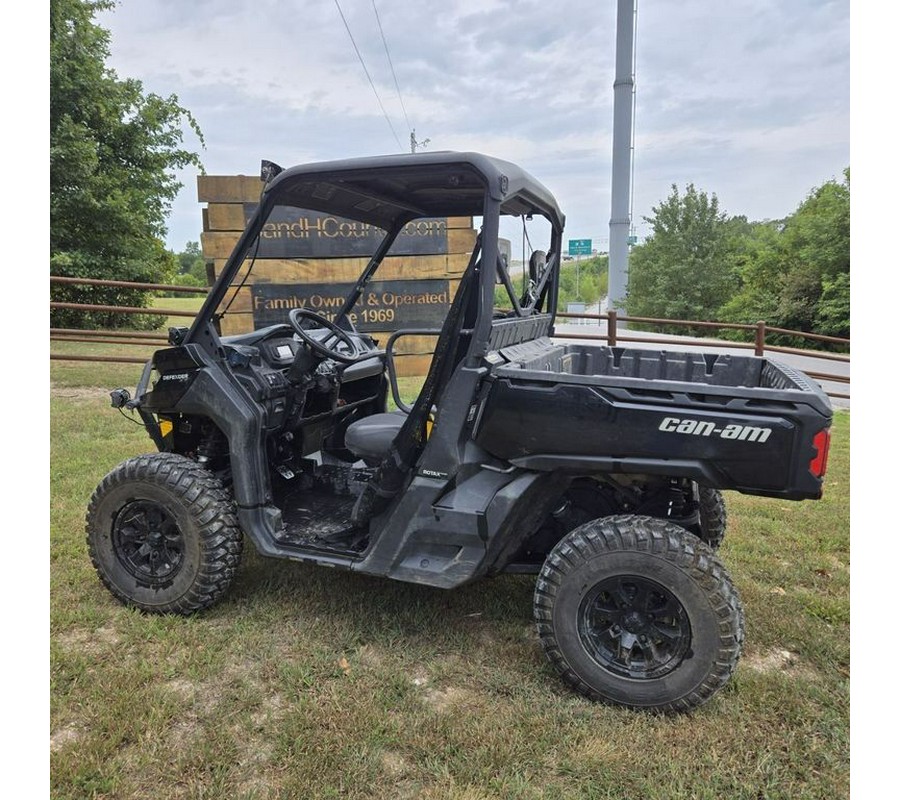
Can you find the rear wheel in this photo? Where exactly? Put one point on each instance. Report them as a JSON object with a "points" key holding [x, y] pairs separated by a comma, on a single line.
{"points": [[638, 612], [713, 516], [162, 534]]}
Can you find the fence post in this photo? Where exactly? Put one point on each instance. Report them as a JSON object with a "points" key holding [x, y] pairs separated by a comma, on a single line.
{"points": [[611, 329], [760, 338]]}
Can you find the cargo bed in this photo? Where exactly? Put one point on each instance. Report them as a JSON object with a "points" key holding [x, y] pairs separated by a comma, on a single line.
{"points": [[731, 422]]}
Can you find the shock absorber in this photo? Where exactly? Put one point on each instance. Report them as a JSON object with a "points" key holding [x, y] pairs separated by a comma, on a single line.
{"points": [[213, 445]]}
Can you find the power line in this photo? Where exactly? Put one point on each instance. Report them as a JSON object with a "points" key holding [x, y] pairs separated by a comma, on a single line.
{"points": [[365, 69], [391, 62]]}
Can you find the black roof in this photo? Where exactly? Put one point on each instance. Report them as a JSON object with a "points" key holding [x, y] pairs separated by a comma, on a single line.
{"points": [[389, 190]]}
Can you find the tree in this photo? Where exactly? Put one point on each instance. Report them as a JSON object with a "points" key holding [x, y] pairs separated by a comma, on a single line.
{"points": [[191, 268], [797, 272], [833, 313], [113, 153], [190, 260], [586, 280], [793, 273], [685, 269]]}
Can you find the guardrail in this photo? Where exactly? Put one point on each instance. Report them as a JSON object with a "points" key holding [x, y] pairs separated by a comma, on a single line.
{"points": [[613, 336]]}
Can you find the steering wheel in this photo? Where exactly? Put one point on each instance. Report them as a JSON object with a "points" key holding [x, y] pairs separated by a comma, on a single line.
{"points": [[336, 336]]}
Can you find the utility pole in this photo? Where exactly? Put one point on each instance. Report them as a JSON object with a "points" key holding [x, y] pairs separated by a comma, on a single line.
{"points": [[413, 144], [623, 122]]}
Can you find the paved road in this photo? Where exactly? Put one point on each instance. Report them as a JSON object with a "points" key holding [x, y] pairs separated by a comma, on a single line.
{"points": [[807, 364]]}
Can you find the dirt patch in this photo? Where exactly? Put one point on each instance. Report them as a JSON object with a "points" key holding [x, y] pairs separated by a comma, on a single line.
{"points": [[419, 678], [184, 689], [370, 656], [183, 733], [63, 737], [272, 708], [87, 641], [253, 762], [442, 700], [394, 765], [77, 639], [200, 699], [108, 636], [778, 660], [254, 752], [838, 565], [243, 670]]}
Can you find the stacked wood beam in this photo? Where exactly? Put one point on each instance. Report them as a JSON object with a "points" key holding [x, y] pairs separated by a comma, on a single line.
{"points": [[312, 260]]}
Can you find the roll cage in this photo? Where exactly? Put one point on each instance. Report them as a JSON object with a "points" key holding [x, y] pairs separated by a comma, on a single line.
{"points": [[388, 192]]}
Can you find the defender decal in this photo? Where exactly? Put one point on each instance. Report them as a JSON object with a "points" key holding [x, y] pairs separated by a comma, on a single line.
{"points": [[698, 427]]}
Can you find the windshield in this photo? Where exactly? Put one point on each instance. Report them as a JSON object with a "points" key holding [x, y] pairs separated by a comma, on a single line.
{"points": [[309, 259]]}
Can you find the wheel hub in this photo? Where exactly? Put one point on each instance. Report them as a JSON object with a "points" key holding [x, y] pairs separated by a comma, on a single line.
{"points": [[147, 542], [634, 627], [635, 622]]}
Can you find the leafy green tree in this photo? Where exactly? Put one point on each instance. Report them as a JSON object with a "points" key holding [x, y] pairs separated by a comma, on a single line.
{"points": [[757, 264], [833, 313], [188, 258], [818, 233], [796, 273], [191, 268], [586, 280], [113, 153], [191, 262], [686, 268]]}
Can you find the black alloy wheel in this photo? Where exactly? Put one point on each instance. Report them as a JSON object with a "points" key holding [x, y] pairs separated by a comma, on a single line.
{"points": [[163, 535], [147, 541], [634, 627], [636, 611]]}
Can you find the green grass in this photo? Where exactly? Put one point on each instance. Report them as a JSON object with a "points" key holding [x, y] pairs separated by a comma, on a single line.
{"points": [[309, 683]]}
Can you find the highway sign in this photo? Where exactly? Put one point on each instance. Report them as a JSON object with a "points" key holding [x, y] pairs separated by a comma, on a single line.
{"points": [[579, 247]]}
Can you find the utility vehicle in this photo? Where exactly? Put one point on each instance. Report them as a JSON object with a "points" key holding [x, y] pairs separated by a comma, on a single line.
{"points": [[597, 468]]}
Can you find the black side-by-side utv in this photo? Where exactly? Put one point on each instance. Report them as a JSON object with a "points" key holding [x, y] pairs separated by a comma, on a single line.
{"points": [[598, 468]]}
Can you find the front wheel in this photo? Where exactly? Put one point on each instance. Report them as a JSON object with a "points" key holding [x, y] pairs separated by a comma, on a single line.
{"points": [[638, 612], [162, 534]]}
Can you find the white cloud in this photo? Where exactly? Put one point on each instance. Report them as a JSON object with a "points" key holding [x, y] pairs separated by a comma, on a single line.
{"points": [[750, 99]]}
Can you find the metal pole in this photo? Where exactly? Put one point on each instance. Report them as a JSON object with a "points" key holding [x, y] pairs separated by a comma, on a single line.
{"points": [[623, 110]]}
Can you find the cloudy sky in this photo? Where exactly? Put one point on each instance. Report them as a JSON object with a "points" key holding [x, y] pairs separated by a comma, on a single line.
{"points": [[750, 100]]}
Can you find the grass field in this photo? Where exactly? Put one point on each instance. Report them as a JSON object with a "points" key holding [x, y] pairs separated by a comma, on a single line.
{"points": [[309, 683]]}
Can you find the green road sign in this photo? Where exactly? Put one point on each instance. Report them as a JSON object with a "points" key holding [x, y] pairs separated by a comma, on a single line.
{"points": [[632, 240], [579, 247]]}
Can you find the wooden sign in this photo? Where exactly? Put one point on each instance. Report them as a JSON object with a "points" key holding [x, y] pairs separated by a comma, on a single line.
{"points": [[384, 305], [300, 233], [313, 258]]}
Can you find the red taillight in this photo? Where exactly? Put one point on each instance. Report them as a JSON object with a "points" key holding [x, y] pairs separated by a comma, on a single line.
{"points": [[819, 463]]}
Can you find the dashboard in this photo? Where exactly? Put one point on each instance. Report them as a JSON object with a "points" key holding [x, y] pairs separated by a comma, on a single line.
{"points": [[296, 386]]}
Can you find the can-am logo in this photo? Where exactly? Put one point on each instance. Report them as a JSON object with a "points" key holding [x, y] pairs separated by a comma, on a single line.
{"points": [[698, 427]]}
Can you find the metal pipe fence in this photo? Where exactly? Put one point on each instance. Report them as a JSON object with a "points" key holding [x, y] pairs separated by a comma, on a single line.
{"points": [[613, 336]]}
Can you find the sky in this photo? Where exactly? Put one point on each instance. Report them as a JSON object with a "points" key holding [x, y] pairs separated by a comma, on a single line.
{"points": [[747, 100]]}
